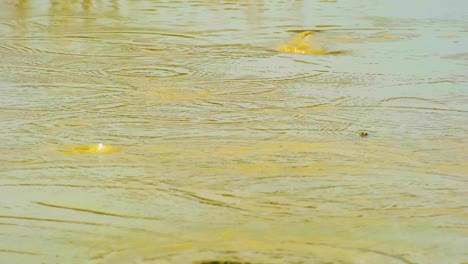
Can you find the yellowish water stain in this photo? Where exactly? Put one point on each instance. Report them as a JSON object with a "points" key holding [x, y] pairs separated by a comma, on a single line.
{"points": [[385, 37], [448, 36], [234, 245], [166, 95], [343, 39], [91, 149], [376, 37]]}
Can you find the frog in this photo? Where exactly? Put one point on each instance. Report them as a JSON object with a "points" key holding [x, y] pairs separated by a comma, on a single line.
{"points": [[91, 149], [305, 43], [363, 134]]}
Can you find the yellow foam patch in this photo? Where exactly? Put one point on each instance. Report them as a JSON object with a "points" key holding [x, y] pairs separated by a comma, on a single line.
{"points": [[172, 94]]}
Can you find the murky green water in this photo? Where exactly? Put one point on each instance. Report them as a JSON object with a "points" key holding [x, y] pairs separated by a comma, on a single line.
{"points": [[188, 131]]}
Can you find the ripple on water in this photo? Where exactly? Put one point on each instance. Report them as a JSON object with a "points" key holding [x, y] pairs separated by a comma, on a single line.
{"points": [[256, 68], [223, 61], [20, 54], [457, 56], [74, 45], [315, 252], [7, 27], [160, 71], [9, 47]]}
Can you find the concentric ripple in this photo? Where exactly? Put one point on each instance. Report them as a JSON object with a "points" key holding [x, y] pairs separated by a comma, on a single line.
{"points": [[149, 72]]}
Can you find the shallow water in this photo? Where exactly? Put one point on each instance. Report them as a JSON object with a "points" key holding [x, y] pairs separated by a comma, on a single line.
{"points": [[178, 132]]}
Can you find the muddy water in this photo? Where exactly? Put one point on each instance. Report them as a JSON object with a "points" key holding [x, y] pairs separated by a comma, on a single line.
{"points": [[197, 131]]}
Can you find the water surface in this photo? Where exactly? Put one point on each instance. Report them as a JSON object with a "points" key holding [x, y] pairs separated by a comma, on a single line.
{"points": [[177, 132]]}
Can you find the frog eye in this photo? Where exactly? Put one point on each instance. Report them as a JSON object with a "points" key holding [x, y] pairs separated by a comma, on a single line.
{"points": [[363, 134]]}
